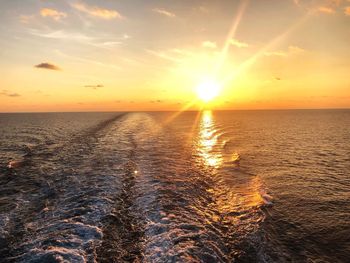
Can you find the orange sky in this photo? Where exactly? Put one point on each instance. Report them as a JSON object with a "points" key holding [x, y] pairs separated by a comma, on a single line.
{"points": [[151, 55]]}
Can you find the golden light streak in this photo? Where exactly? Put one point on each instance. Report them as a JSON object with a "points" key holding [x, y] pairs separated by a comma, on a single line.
{"points": [[230, 35], [263, 50], [208, 141], [196, 120], [176, 114]]}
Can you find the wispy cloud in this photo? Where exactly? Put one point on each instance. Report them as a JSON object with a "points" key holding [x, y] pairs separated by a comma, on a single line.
{"points": [[156, 101], [163, 54], [61, 34], [209, 44], [46, 65], [284, 53], [94, 86], [320, 6], [163, 12], [183, 52], [295, 49], [85, 60], [318, 2], [106, 43], [9, 94], [238, 43], [174, 54], [109, 43], [203, 9], [347, 11], [326, 10], [276, 53], [126, 36], [25, 19], [52, 13], [297, 2], [97, 11]]}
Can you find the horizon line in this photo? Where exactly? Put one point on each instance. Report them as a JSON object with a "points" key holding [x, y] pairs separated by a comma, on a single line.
{"points": [[102, 111]]}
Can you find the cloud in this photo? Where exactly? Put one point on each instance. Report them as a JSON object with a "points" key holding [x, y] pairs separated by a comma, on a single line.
{"points": [[104, 42], [335, 2], [156, 101], [326, 10], [297, 2], [174, 54], [295, 49], [25, 19], [182, 51], [125, 36], [94, 86], [163, 54], [209, 44], [276, 53], [284, 53], [320, 6], [61, 34], [347, 11], [163, 12], [54, 14], [97, 11], [238, 44], [9, 94], [46, 65], [203, 9], [85, 60], [318, 2], [109, 43]]}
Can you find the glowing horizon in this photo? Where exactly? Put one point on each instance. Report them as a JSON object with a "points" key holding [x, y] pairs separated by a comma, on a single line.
{"points": [[136, 56]]}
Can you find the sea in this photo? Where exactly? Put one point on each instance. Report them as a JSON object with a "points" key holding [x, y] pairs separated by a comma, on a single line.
{"points": [[206, 186]]}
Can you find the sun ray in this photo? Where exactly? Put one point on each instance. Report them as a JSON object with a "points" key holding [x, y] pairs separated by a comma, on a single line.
{"points": [[196, 121], [263, 50], [230, 35], [177, 113]]}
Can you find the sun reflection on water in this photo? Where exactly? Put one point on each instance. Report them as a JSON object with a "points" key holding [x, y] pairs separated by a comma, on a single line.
{"points": [[208, 140], [237, 193]]}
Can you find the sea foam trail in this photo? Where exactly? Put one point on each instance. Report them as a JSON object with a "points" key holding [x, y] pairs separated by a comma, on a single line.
{"points": [[59, 216], [134, 189], [185, 213]]}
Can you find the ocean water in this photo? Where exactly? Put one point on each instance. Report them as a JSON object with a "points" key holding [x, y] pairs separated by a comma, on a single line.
{"points": [[229, 186]]}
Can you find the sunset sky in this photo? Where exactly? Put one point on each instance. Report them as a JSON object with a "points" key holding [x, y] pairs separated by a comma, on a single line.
{"points": [[151, 55]]}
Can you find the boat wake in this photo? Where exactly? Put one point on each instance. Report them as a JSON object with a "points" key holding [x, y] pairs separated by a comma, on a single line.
{"points": [[127, 190]]}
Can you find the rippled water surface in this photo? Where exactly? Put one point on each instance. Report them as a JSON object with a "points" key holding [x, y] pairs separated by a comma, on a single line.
{"points": [[240, 186]]}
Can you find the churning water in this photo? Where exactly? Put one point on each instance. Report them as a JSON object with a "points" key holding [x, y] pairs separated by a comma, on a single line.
{"points": [[235, 186]]}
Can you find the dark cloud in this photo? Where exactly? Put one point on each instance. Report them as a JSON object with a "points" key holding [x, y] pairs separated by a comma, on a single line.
{"points": [[46, 65], [94, 86], [9, 94], [155, 101]]}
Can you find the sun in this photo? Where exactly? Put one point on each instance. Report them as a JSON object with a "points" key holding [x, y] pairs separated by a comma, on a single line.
{"points": [[207, 90]]}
